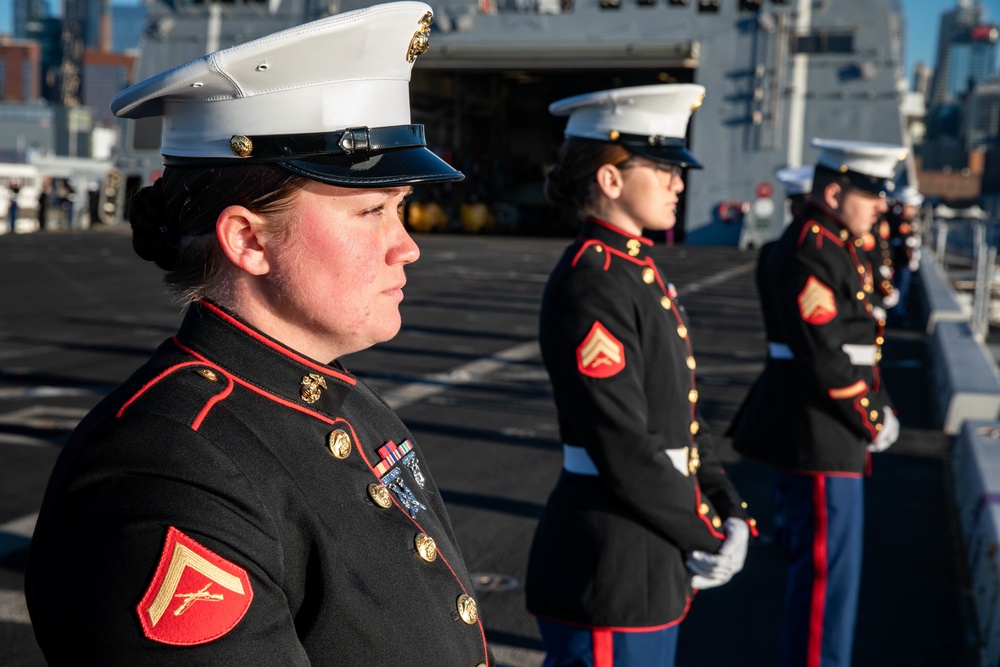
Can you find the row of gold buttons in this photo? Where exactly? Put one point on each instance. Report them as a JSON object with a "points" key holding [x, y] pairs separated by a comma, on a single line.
{"points": [[339, 445]]}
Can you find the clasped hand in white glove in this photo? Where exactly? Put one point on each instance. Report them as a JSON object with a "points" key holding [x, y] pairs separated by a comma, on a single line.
{"points": [[716, 569], [889, 432]]}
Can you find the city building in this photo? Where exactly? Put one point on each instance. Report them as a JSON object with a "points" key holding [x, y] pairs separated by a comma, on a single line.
{"points": [[966, 53], [20, 70]]}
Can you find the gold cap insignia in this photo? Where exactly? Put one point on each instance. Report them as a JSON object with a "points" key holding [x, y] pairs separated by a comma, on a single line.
{"points": [[421, 38], [311, 386], [633, 246], [613, 135], [240, 145], [698, 102], [207, 374]]}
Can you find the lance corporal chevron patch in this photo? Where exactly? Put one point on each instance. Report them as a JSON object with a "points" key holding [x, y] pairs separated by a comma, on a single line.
{"points": [[600, 355], [195, 596], [816, 302]]}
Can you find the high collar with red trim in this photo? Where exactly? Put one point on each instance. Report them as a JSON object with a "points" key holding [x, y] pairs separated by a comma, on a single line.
{"points": [[615, 238], [831, 221], [219, 337]]}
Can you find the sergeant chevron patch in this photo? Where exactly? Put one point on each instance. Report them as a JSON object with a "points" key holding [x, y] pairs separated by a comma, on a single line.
{"points": [[195, 596], [600, 355], [816, 302]]}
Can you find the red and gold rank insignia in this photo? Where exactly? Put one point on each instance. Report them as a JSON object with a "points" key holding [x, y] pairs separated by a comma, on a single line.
{"points": [[195, 596], [816, 302], [600, 355]]}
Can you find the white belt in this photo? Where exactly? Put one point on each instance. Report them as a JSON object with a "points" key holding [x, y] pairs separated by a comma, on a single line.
{"points": [[577, 461], [861, 355]]}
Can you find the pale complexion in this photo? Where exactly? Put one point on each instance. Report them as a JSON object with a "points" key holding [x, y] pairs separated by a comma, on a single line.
{"points": [[333, 284], [637, 195], [857, 209]]}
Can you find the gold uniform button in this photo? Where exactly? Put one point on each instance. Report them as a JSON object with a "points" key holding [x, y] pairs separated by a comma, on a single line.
{"points": [[815, 229], [860, 295], [873, 415], [717, 522], [694, 428], [752, 522], [648, 275], [467, 610], [693, 396], [598, 248], [861, 269], [864, 402], [878, 427], [690, 363], [858, 243], [868, 289], [844, 234], [682, 331], [339, 443], [879, 340], [426, 547], [868, 307], [207, 374], [703, 508], [380, 495], [665, 302], [743, 505]]}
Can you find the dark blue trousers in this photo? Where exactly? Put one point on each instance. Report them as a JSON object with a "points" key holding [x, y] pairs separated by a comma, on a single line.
{"points": [[820, 521], [572, 646]]}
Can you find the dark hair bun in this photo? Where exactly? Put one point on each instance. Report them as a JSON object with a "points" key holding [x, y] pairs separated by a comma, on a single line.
{"points": [[559, 187], [152, 236]]}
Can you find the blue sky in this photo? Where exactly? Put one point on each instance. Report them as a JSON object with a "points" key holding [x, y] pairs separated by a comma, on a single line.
{"points": [[922, 18]]}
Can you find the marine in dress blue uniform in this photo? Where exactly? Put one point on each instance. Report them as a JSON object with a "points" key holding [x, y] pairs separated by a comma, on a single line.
{"points": [[904, 242], [819, 409], [641, 492], [236, 501]]}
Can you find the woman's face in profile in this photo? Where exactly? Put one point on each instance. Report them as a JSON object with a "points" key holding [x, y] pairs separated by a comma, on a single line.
{"points": [[650, 193], [338, 281]]}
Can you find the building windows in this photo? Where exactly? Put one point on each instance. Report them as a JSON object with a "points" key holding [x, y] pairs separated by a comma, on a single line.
{"points": [[824, 41]]}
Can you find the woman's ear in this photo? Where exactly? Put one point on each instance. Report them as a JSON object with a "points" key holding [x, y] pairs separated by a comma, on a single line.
{"points": [[239, 232], [609, 180]]}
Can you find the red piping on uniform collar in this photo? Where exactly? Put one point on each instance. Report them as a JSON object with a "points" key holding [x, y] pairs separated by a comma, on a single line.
{"points": [[276, 346], [641, 239]]}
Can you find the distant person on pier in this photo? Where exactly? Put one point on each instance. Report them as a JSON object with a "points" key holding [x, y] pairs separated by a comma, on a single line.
{"points": [[642, 515], [243, 498], [12, 209], [905, 242], [819, 411]]}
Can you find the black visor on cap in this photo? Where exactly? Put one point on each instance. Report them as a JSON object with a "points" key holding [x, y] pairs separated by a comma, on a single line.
{"points": [[876, 185], [668, 150], [404, 166]]}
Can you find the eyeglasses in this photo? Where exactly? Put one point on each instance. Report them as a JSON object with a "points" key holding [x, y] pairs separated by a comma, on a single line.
{"points": [[674, 170]]}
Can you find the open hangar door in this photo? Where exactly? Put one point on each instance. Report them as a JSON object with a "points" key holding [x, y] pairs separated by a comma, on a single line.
{"points": [[494, 125]]}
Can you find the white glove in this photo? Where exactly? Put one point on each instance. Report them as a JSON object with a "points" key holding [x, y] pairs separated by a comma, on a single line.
{"points": [[891, 299], [712, 570], [915, 260], [878, 312], [889, 432]]}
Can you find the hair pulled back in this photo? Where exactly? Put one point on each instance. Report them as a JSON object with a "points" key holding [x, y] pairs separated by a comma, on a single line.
{"points": [[173, 220], [568, 182]]}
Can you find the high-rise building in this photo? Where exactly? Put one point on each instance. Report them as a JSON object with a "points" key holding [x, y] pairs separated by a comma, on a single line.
{"points": [[966, 52], [981, 122], [27, 14]]}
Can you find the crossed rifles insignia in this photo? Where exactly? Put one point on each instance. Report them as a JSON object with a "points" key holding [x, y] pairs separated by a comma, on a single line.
{"points": [[176, 610]]}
